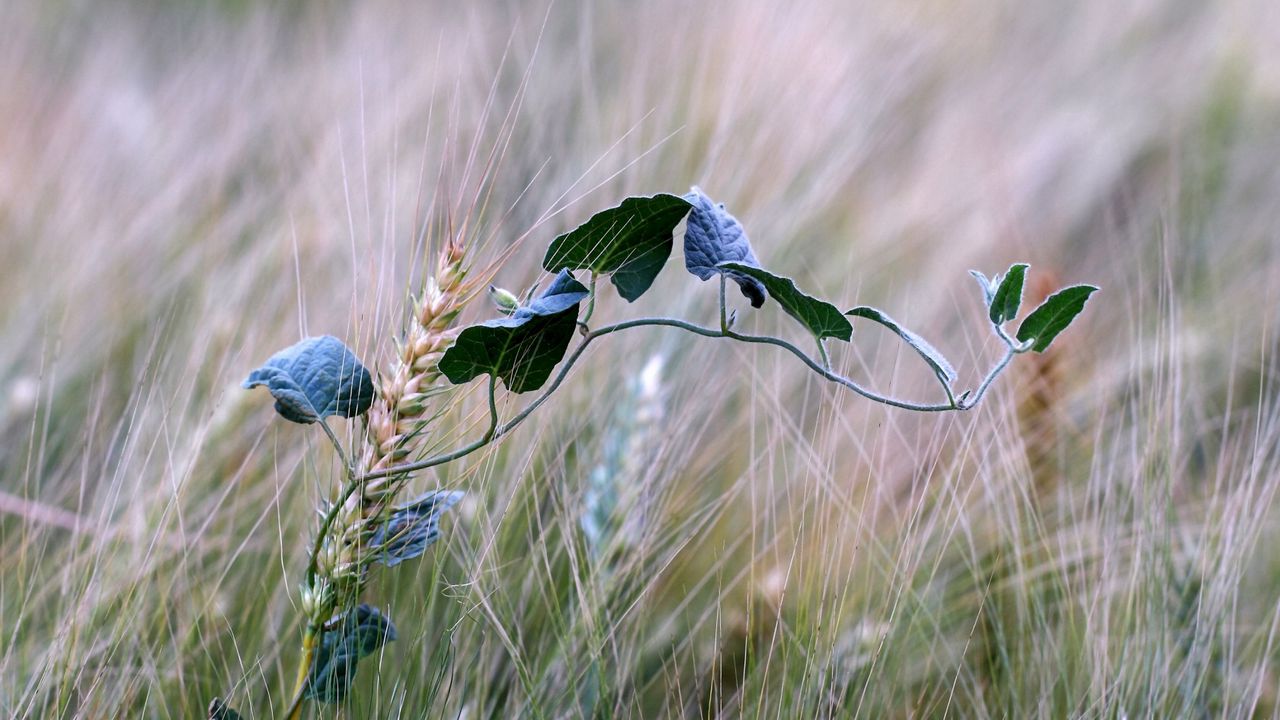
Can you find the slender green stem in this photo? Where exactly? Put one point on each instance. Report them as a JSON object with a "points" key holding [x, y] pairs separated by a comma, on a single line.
{"points": [[591, 302], [353, 482], [840, 379], [724, 320], [822, 352], [337, 446], [1012, 347], [946, 388], [309, 642], [493, 404], [990, 378]]}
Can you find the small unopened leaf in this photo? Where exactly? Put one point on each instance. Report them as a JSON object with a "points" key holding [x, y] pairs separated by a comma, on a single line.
{"points": [[712, 237], [940, 366], [314, 379], [521, 349], [1054, 315], [988, 286], [218, 710], [357, 635], [821, 317], [630, 242], [1008, 297], [411, 528]]}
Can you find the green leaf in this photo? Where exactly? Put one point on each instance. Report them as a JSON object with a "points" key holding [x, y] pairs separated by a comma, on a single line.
{"points": [[821, 317], [314, 379], [630, 242], [1054, 315], [713, 237], [1008, 297], [219, 710], [521, 349], [940, 366], [357, 635], [411, 528]]}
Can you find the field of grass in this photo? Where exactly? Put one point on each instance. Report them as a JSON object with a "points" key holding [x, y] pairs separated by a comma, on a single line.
{"points": [[690, 528]]}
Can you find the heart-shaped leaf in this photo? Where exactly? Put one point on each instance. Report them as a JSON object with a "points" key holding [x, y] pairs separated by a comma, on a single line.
{"points": [[941, 367], [357, 635], [1008, 296], [521, 349], [630, 242], [314, 379], [821, 317], [411, 528], [1054, 315], [712, 237]]}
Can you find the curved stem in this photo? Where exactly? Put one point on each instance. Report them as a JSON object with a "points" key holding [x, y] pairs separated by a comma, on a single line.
{"points": [[337, 446], [822, 352], [493, 405], [1012, 347], [573, 357], [840, 379], [990, 378]]}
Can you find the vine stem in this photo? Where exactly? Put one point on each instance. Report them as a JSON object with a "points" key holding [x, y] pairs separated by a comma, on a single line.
{"points": [[591, 336], [1012, 347]]}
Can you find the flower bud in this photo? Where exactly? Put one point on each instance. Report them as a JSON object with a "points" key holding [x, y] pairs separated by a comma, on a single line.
{"points": [[504, 300]]}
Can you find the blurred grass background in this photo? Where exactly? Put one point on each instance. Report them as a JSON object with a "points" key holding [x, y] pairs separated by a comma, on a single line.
{"points": [[689, 529]]}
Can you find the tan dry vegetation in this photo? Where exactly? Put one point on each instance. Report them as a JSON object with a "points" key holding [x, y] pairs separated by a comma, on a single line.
{"points": [[184, 190]]}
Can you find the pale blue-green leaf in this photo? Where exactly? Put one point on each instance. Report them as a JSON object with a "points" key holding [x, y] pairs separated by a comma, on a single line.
{"points": [[936, 361], [712, 236], [411, 527], [314, 379], [1054, 315], [819, 316]]}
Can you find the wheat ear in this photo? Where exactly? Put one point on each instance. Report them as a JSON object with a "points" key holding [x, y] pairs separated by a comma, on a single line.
{"points": [[395, 429]]}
